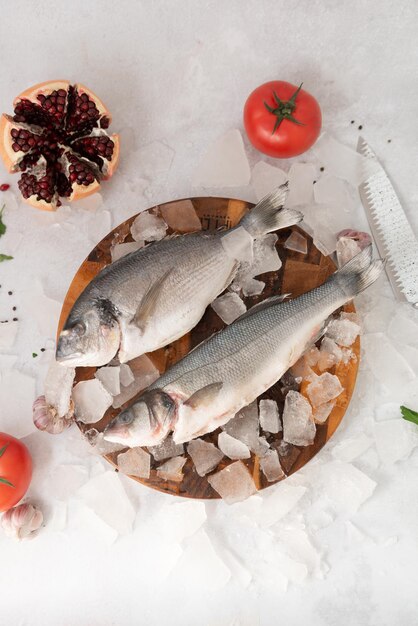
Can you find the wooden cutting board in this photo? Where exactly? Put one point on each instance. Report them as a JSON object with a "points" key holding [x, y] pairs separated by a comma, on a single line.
{"points": [[298, 274]]}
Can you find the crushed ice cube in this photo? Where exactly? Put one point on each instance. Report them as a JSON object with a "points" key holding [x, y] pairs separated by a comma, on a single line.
{"points": [[266, 257], [126, 375], [172, 469], [229, 307], [58, 385], [17, 393], [148, 227], [324, 388], [109, 377], [347, 249], [175, 522], [269, 416], [301, 177], [296, 242], [238, 244], [244, 426], [322, 412], [41, 309], [279, 502], [298, 426], [91, 401], [67, 479], [312, 356], [395, 439], [265, 178], [330, 354], [135, 462], [289, 382], [205, 456], [234, 483], [105, 495], [225, 164], [233, 448], [270, 466], [351, 448], [343, 331], [166, 449], [345, 485], [288, 454], [252, 287], [335, 192], [121, 249], [403, 327], [342, 161], [89, 203], [154, 160], [145, 373], [8, 332], [181, 216]]}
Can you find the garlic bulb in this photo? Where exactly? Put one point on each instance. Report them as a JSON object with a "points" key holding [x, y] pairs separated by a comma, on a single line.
{"points": [[45, 417], [21, 521]]}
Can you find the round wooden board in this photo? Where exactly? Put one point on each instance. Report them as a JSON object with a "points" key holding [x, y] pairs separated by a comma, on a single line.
{"points": [[298, 274]]}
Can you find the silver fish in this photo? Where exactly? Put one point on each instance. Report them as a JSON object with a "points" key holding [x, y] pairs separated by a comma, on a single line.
{"points": [[155, 295], [231, 369]]}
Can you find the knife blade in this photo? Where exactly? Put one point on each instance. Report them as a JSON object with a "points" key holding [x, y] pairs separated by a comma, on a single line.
{"points": [[392, 233]]}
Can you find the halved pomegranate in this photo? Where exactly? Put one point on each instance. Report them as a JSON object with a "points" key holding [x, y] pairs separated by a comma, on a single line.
{"points": [[57, 138]]}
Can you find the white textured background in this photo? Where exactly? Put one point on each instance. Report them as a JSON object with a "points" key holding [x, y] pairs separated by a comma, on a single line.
{"points": [[178, 73]]}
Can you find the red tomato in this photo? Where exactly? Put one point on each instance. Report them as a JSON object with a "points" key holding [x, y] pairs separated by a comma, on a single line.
{"points": [[281, 119], [15, 471]]}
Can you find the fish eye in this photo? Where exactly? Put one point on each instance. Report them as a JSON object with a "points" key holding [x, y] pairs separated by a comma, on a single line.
{"points": [[125, 418], [79, 329]]}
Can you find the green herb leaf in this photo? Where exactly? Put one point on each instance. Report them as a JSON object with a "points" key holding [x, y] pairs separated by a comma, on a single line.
{"points": [[5, 257], [6, 482], [409, 415], [2, 224], [34, 355], [3, 450]]}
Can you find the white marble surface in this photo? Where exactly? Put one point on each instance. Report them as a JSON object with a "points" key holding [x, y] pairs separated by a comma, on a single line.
{"points": [[175, 75]]}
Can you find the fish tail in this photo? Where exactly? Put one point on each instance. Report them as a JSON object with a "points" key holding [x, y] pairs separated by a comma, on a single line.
{"points": [[269, 215], [359, 273]]}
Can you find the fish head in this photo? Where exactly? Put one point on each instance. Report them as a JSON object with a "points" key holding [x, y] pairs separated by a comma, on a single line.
{"points": [[88, 340], [146, 422]]}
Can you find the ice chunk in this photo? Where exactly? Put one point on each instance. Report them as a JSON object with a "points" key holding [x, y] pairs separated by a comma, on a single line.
{"points": [[265, 178], [252, 287], [312, 356], [91, 401], [17, 393], [105, 495], [233, 448], [266, 258], [121, 249], [200, 562], [335, 192], [345, 485], [229, 307], [324, 388], [135, 462], [298, 426], [288, 454], [41, 309], [301, 177], [148, 227], [403, 328], [234, 483], [329, 355], [181, 216], [279, 502], [269, 416], [109, 377], [58, 386], [89, 203], [270, 466], [386, 363], [8, 332], [322, 412], [58, 519], [145, 373], [225, 164], [296, 242], [343, 331], [245, 426], [395, 439], [238, 244], [351, 448], [154, 160], [172, 469], [166, 449], [126, 376], [205, 456], [67, 479], [342, 161], [347, 248], [176, 522]]}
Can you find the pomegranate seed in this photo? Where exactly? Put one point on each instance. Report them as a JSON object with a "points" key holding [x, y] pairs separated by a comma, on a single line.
{"points": [[4, 187]]}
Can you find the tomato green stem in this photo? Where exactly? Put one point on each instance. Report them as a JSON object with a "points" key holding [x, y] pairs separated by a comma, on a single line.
{"points": [[284, 109], [4, 480]]}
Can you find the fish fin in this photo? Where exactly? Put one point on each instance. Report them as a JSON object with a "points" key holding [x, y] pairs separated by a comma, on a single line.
{"points": [[149, 301], [204, 396], [269, 215], [359, 273], [264, 304]]}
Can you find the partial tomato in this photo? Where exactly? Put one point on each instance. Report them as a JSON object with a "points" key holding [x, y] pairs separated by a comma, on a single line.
{"points": [[281, 119], [15, 471]]}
